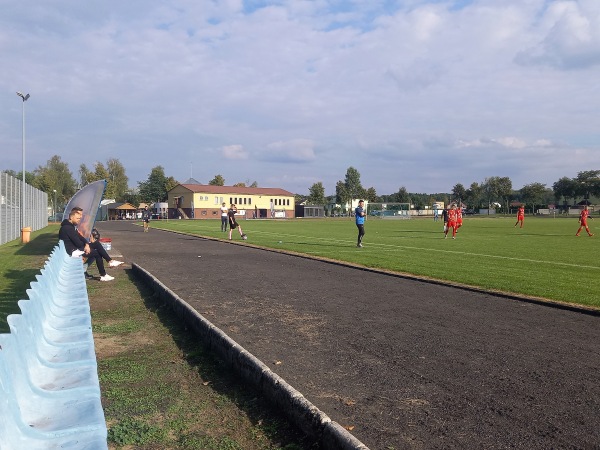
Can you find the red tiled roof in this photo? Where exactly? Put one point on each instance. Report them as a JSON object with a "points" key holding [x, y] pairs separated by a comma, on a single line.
{"points": [[210, 189]]}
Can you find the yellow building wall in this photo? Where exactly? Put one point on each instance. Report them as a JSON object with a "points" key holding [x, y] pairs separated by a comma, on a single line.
{"points": [[207, 205]]}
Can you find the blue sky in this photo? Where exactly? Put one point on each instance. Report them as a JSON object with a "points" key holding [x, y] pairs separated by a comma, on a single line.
{"points": [[414, 93]]}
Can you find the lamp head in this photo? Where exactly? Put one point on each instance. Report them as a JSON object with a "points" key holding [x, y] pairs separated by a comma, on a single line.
{"points": [[24, 97]]}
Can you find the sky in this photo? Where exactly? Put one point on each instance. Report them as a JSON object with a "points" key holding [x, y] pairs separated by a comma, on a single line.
{"points": [[421, 94]]}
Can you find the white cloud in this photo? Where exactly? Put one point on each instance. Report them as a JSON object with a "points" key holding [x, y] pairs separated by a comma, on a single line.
{"points": [[571, 38], [234, 152], [293, 151], [412, 93]]}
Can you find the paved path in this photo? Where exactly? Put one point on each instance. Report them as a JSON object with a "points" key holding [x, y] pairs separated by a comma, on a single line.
{"points": [[407, 364]]}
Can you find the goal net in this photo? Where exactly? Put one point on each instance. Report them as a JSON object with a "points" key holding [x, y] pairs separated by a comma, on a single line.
{"points": [[389, 210]]}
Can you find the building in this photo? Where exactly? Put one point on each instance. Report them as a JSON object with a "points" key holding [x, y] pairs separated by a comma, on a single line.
{"points": [[310, 211], [200, 201], [111, 210]]}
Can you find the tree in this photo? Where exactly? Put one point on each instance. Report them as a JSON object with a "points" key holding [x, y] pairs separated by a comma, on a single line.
{"points": [[170, 184], [371, 195], [29, 176], [86, 176], [587, 183], [299, 198], [218, 180], [132, 197], [117, 180], [154, 189], [533, 194], [459, 192], [352, 184], [55, 176], [239, 184], [504, 188], [342, 196], [316, 194], [497, 189], [473, 195], [402, 196], [565, 187]]}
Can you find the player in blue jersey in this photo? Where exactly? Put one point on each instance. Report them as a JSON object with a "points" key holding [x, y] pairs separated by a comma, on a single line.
{"points": [[359, 214]]}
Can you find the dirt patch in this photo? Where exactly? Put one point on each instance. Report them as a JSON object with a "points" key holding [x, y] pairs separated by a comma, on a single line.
{"points": [[162, 389]]}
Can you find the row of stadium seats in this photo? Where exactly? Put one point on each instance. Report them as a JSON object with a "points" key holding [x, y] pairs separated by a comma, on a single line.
{"points": [[49, 388]]}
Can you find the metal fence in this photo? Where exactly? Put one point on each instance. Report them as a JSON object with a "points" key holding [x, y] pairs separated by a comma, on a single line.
{"points": [[35, 212]]}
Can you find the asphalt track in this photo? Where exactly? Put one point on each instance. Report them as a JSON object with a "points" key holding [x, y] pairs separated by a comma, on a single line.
{"points": [[402, 363]]}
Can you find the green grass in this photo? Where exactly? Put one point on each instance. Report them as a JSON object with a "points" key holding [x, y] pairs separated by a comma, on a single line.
{"points": [[19, 264], [543, 259]]}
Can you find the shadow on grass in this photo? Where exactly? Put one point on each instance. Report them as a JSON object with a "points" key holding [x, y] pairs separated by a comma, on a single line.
{"points": [[20, 264], [222, 380], [41, 243], [18, 282]]}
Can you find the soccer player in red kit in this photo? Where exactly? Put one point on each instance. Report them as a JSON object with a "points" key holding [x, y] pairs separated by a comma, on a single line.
{"points": [[583, 221], [451, 222], [520, 216], [458, 218]]}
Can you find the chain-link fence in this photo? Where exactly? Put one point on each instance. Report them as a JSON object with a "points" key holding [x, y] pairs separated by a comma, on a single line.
{"points": [[35, 213]]}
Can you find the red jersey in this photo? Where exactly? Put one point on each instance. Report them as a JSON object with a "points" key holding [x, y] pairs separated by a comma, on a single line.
{"points": [[521, 212], [459, 214], [583, 216], [451, 216]]}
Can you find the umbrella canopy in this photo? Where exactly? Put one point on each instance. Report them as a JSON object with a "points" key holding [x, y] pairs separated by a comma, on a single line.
{"points": [[88, 199]]}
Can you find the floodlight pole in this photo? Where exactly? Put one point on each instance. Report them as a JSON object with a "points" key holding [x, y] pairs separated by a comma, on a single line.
{"points": [[24, 97], [54, 212]]}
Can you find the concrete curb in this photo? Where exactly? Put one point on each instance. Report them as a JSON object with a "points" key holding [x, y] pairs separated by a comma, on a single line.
{"points": [[298, 409]]}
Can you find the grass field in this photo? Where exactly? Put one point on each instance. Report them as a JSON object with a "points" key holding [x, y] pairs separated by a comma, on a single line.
{"points": [[543, 259]]}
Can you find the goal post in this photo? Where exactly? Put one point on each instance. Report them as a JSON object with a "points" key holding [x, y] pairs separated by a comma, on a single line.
{"points": [[389, 210]]}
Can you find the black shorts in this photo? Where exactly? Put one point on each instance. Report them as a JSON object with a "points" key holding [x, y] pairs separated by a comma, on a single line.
{"points": [[233, 224]]}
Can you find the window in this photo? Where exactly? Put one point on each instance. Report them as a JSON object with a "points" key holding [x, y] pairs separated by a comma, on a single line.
{"points": [[250, 201], [216, 200]]}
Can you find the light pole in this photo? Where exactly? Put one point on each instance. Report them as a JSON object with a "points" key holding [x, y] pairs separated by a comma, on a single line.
{"points": [[54, 204], [24, 98]]}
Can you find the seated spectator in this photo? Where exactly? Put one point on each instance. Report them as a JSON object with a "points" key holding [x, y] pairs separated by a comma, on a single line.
{"points": [[97, 245], [77, 246]]}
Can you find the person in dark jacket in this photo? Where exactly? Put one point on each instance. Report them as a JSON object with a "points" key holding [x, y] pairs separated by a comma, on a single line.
{"points": [[76, 245]]}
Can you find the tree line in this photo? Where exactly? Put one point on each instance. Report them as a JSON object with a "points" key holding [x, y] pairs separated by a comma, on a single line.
{"points": [[55, 175], [492, 190]]}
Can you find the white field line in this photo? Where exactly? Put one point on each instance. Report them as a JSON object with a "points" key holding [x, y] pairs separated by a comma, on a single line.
{"points": [[392, 247]]}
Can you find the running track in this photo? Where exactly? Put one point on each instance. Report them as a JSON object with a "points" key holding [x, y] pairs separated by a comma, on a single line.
{"points": [[403, 363]]}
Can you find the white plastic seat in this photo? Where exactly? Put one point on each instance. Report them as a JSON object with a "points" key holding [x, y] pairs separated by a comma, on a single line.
{"points": [[33, 420], [79, 380], [51, 354]]}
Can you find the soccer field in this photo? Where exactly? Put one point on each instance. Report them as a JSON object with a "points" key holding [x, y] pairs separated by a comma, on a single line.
{"points": [[543, 259]]}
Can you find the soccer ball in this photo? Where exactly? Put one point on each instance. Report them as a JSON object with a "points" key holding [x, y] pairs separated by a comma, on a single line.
{"points": [[244, 236]]}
